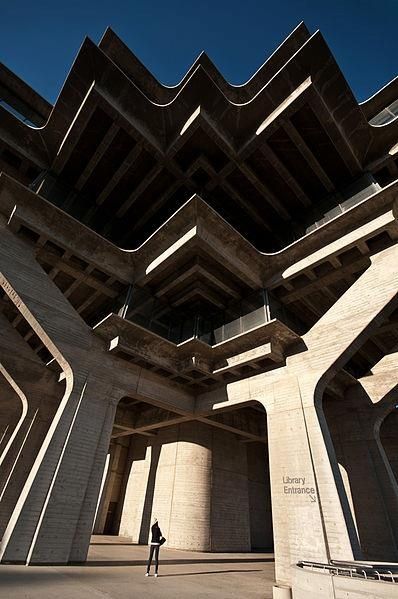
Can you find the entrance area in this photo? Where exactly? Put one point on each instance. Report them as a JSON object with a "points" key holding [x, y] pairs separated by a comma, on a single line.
{"points": [[206, 480]]}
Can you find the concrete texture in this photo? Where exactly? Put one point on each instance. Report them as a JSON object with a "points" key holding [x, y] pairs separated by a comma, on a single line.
{"points": [[211, 513], [115, 570], [301, 210]]}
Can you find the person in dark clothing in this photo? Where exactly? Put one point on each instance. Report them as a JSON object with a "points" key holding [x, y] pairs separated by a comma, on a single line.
{"points": [[156, 541]]}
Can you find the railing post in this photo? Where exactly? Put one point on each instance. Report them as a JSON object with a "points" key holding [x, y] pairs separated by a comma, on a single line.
{"points": [[124, 309], [267, 311]]}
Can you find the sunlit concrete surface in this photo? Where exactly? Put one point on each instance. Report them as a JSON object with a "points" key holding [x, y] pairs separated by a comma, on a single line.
{"points": [[116, 569]]}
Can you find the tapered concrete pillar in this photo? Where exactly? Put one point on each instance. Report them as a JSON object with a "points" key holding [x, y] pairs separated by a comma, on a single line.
{"points": [[389, 440], [39, 394], [53, 517], [10, 413], [370, 485], [261, 533], [106, 495], [190, 505], [312, 518], [330, 344]]}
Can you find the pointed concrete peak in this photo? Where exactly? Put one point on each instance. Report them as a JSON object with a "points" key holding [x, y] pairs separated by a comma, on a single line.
{"points": [[108, 33], [302, 25], [196, 199], [108, 38]]}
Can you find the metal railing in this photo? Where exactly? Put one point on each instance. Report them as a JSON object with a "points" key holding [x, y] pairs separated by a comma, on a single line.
{"points": [[178, 325], [353, 570]]}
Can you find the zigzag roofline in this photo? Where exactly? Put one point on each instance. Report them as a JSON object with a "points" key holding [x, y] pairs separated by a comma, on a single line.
{"points": [[92, 64]]}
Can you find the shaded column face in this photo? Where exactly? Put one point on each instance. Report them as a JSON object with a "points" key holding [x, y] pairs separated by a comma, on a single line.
{"points": [[11, 412], [389, 440], [230, 509], [352, 426], [32, 394], [22, 449], [261, 533], [191, 500], [108, 513]]}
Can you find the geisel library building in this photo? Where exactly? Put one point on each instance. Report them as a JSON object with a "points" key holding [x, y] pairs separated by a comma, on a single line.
{"points": [[199, 316]]}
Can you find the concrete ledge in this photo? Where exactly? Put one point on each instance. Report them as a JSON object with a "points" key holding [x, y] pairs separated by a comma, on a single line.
{"points": [[313, 584]]}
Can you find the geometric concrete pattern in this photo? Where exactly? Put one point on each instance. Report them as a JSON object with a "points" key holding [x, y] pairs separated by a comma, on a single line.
{"points": [[199, 322]]}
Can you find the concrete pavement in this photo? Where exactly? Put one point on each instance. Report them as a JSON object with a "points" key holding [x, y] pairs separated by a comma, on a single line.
{"points": [[116, 570]]}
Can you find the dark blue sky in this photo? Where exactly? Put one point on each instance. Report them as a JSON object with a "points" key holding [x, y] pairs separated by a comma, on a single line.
{"points": [[40, 38]]}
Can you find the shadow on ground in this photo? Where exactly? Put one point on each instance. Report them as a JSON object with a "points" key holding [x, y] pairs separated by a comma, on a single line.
{"points": [[165, 562]]}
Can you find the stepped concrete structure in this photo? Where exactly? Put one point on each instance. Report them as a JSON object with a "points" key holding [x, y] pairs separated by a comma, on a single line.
{"points": [[199, 315]]}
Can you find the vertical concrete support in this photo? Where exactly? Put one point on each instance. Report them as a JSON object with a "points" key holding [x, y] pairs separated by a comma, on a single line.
{"points": [[138, 469], [373, 486], [389, 440], [190, 506], [311, 514], [211, 513], [230, 507], [10, 413], [261, 533], [109, 509], [311, 521], [158, 485], [105, 499], [39, 393], [330, 343], [53, 517], [367, 478]]}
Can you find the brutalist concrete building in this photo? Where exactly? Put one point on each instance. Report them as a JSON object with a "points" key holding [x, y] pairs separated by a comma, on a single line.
{"points": [[199, 315]]}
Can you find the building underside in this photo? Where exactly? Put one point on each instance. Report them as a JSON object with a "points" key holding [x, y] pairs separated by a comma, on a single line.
{"points": [[199, 315]]}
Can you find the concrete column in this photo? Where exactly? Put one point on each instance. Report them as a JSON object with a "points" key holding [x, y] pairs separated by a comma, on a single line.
{"points": [[189, 524], [160, 470], [261, 533], [369, 484], [53, 517], [137, 472], [100, 519], [389, 440], [303, 463], [10, 413], [295, 411], [39, 393], [193, 477], [230, 504], [311, 517], [114, 486]]}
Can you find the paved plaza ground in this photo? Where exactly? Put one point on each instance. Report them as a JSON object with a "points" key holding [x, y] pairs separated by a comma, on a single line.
{"points": [[115, 570]]}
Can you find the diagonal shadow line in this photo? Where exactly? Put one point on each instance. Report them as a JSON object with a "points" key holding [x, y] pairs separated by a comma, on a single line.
{"points": [[116, 544], [149, 495], [98, 563], [210, 572]]}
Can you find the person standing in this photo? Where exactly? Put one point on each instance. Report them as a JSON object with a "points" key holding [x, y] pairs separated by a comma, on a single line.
{"points": [[156, 541]]}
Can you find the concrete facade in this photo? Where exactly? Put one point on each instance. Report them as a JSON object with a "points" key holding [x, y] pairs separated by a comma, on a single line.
{"points": [[199, 316]]}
